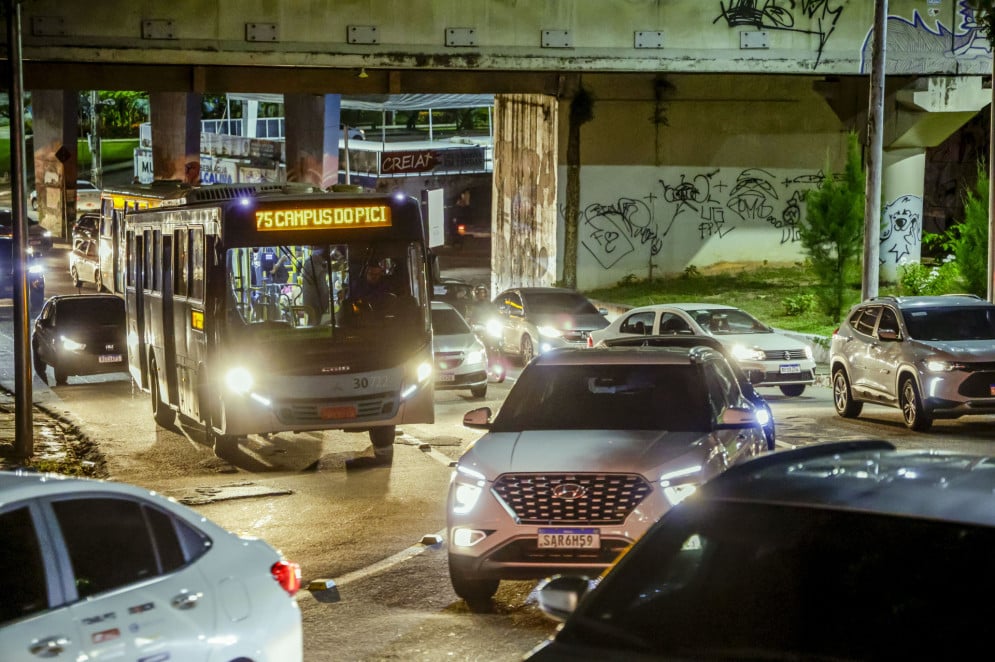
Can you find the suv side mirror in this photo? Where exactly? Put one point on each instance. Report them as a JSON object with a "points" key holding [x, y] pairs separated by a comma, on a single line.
{"points": [[888, 334], [479, 418], [559, 595], [735, 418]]}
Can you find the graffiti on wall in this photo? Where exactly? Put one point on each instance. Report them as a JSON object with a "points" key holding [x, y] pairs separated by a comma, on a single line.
{"points": [[901, 230], [814, 17], [928, 43], [712, 204]]}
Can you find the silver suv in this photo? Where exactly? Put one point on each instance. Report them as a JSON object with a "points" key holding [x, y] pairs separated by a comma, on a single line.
{"points": [[930, 356], [590, 447]]}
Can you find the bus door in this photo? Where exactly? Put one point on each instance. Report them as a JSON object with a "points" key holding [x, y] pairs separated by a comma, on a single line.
{"points": [[170, 350]]}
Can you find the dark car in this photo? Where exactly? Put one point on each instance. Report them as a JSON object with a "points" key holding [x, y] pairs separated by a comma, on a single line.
{"points": [[457, 293], [838, 551], [80, 334], [535, 320], [747, 379], [39, 239], [35, 276], [86, 227]]}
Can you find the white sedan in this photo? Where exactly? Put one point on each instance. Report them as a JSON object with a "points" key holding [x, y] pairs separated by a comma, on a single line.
{"points": [[102, 570], [784, 361]]}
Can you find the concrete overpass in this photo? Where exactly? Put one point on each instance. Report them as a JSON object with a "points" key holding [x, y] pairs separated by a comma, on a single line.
{"points": [[711, 118]]}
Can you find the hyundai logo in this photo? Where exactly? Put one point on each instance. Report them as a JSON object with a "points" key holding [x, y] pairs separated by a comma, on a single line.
{"points": [[569, 491]]}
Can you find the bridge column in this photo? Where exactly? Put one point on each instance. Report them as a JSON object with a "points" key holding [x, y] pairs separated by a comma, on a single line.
{"points": [[902, 181], [55, 158], [523, 235], [175, 120], [312, 131]]}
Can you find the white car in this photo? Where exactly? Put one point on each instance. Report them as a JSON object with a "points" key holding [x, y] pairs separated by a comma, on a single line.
{"points": [[460, 357], [95, 570], [87, 197], [784, 361], [590, 447]]}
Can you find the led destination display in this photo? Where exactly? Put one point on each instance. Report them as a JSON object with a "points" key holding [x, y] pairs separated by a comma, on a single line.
{"points": [[359, 215]]}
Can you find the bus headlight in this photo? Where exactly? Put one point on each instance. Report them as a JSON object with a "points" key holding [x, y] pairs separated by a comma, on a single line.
{"points": [[239, 380]]}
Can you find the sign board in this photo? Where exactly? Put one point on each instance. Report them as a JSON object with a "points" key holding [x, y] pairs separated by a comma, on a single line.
{"points": [[436, 218]]}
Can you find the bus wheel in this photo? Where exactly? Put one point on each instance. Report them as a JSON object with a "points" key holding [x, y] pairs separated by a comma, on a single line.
{"points": [[223, 444], [161, 412], [382, 437]]}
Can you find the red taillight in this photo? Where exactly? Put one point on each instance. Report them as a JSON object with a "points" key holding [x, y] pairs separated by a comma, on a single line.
{"points": [[287, 575], [461, 229], [590, 341], [836, 332]]}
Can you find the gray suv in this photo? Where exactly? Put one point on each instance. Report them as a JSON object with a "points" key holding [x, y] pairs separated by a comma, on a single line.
{"points": [[930, 356]]}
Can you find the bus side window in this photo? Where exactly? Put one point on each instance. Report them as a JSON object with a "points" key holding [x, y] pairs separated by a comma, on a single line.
{"points": [[131, 258], [197, 263], [157, 260], [147, 260], [181, 264]]}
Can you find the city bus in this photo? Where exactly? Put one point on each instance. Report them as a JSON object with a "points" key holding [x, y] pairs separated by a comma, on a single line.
{"points": [[214, 337], [115, 202]]}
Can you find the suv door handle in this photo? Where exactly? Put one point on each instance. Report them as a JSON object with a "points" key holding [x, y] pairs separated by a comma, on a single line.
{"points": [[186, 600], [49, 646]]}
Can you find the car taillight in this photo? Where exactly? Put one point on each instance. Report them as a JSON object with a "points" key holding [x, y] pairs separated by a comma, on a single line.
{"points": [[287, 575], [836, 331], [590, 341]]}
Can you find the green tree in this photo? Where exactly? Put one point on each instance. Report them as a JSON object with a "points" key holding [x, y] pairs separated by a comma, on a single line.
{"points": [[968, 240], [832, 231]]}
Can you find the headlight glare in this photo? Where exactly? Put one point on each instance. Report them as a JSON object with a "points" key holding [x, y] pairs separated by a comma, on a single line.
{"points": [[72, 345], [424, 371], [744, 353], [239, 380], [549, 332], [475, 356]]}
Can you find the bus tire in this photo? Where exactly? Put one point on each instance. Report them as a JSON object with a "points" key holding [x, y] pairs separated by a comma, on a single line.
{"points": [[383, 436], [164, 416], [223, 444]]}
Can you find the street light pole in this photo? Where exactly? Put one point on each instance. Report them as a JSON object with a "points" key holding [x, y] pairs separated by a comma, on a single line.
{"points": [[875, 142]]}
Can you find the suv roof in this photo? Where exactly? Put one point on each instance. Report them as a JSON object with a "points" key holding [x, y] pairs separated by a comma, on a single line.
{"points": [[929, 301], [625, 355], [868, 476]]}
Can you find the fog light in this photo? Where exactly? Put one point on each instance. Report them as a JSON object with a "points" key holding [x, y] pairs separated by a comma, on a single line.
{"points": [[467, 537]]}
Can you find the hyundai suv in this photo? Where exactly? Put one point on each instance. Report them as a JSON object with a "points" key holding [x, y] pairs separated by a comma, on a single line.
{"points": [[930, 356], [590, 447]]}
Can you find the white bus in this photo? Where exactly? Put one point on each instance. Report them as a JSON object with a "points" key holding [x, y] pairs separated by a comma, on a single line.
{"points": [[213, 336]]}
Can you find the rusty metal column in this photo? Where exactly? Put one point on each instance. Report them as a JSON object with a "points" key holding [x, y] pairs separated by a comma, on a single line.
{"points": [[523, 223], [175, 120], [23, 396]]}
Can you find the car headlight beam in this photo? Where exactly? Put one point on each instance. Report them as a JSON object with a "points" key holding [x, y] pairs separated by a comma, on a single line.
{"points": [[239, 380]]}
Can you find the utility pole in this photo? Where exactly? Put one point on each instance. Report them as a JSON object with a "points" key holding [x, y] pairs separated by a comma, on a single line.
{"points": [[991, 184], [875, 147], [23, 397], [96, 160]]}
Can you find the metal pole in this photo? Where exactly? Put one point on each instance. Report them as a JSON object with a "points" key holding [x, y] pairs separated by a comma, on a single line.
{"points": [[875, 129], [24, 425], [345, 129]]}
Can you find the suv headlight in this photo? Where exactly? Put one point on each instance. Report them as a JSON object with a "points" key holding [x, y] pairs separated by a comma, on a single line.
{"points": [[468, 485], [680, 484], [936, 365]]}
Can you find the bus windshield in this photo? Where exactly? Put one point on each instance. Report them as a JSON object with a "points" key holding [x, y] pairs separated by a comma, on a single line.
{"points": [[334, 288]]}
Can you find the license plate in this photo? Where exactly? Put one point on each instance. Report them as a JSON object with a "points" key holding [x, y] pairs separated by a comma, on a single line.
{"points": [[569, 539], [347, 411], [109, 358], [790, 368], [447, 376]]}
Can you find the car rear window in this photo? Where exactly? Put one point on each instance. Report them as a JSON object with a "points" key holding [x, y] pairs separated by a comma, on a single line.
{"points": [[547, 303], [606, 397], [99, 310]]}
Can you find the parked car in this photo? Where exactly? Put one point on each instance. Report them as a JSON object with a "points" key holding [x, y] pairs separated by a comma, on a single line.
{"points": [[460, 356], [98, 569], [590, 447], [84, 264], [80, 334], [784, 361], [535, 320], [39, 239], [35, 276], [87, 197], [930, 356], [86, 226], [747, 380], [837, 551]]}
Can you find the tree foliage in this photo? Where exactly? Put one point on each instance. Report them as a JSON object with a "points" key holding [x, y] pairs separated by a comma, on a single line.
{"points": [[968, 240], [832, 231]]}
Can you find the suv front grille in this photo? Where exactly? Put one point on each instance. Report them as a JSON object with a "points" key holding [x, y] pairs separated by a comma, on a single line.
{"points": [[571, 498], [784, 354], [978, 385]]}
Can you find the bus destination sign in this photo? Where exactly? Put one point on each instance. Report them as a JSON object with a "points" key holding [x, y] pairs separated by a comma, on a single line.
{"points": [[358, 214]]}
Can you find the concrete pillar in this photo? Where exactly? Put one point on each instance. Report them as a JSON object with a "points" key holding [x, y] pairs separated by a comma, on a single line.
{"points": [[523, 233], [175, 120], [312, 130], [903, 178], [54, 127], [250, 113]]}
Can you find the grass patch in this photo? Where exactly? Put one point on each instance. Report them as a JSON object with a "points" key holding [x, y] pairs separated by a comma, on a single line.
{"points": [[776, 295]]}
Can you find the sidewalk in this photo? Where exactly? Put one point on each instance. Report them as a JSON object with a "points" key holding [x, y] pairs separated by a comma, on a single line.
{"points": [[59, 444]]}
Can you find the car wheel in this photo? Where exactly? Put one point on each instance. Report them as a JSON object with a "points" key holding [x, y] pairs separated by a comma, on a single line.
{"points": [[40, 367], [915, 415], [479, 391], [74, 275], [476, 592], [383, 437], [843, 400], [793, 390], [161, 411], [98, 282], [61, 375], [528, 349]]}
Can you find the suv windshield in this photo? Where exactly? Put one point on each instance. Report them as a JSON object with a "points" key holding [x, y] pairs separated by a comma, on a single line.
{"points": [[955, 323], [550, 303], [606, 397]]}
